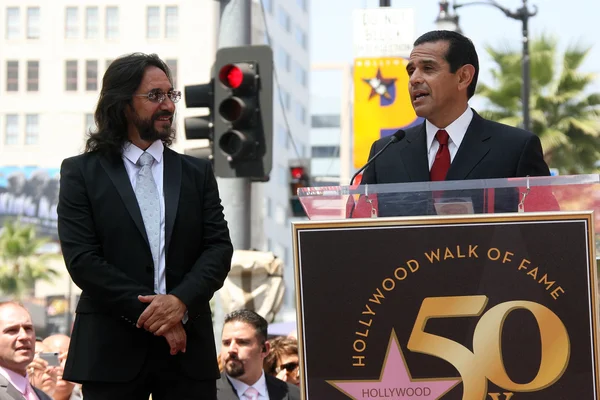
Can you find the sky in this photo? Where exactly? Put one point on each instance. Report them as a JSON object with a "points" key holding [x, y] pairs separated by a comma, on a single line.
{"points": [[572, 21]]}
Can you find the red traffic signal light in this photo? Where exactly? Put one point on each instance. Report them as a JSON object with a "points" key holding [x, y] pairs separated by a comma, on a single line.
{"points": [[297, 172], [243, 107], [236, 76]]}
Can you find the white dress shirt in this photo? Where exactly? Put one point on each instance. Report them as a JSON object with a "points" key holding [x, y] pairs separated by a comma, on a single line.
{"points": [[260, 385], [456, 131], [131, 154]]}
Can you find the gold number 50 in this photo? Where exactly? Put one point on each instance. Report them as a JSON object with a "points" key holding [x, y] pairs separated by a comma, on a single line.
{"points": [[485, 362]]}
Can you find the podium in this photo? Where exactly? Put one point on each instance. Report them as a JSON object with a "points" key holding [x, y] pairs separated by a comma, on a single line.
{"points": [[472, 290]]}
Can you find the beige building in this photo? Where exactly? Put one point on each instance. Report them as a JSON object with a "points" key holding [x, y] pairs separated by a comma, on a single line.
{"points": [[53, 54]]}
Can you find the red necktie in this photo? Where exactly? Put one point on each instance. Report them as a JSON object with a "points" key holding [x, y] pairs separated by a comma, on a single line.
{"points": [[441, 165]]}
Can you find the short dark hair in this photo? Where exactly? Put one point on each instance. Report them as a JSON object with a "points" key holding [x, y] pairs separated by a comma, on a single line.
{"points": [[461, 51], [121, 80], [251, 318]]}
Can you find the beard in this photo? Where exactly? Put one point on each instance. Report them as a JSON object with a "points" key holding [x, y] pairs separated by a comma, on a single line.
{"points": [[148, 132], [234, 368]]}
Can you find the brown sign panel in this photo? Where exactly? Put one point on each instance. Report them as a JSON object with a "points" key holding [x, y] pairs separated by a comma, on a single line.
{"points": [[472, 308]]}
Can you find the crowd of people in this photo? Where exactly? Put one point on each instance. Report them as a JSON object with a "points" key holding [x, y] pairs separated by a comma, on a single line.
{"points": [[248, 360]]}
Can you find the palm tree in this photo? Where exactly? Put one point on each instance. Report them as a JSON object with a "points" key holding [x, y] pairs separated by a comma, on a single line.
{"points": [[564, 114], [21, 263]]}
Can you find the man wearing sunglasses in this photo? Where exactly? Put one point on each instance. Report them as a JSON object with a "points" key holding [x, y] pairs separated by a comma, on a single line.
{"points": [[143, 235], [244, 347]]}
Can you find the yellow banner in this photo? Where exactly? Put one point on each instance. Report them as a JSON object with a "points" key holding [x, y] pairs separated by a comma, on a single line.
{"points": [[381, 102]]}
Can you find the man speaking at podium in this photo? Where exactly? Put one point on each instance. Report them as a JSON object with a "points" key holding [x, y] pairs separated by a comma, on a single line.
{"points": [[454, 142]]}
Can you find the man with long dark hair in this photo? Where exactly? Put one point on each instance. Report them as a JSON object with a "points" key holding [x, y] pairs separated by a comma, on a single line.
{"points": [[143, 235]]}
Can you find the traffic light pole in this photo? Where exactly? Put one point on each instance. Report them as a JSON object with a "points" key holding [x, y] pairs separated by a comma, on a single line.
{"points": [[236, 193]]}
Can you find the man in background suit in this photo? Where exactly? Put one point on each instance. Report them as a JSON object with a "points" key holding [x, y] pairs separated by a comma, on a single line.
{"points": [[244, 347], [143, 235], [17, 350], [443, 70]]}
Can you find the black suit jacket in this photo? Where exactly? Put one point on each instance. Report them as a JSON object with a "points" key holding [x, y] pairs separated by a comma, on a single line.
{"points": [[278, 389], [489, 150], [106, 251], [9, 392]]}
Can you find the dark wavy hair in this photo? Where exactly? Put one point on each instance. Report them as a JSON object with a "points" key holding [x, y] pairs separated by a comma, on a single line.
{"points": [[120, 82], [461, 51]]}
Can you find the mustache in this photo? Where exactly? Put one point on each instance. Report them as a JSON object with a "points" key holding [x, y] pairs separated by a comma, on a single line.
{"points": [[232, 358], [162, 114]]}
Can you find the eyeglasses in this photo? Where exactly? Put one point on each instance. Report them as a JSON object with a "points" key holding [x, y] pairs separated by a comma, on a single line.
{"points": [[289, 367], [158, 96]]}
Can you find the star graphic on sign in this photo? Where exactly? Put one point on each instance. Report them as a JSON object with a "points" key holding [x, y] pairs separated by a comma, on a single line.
{"points": [[395, 381], [379, 85]]}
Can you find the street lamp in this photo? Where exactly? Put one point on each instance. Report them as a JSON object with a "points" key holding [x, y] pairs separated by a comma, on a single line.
{"points": [[522, 14], [446, 21]]}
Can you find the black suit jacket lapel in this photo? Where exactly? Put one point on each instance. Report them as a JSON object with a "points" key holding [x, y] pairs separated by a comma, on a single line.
{"points": [[276, 388], [475, 145], [118, 175], [171, 188], [413, 153]]}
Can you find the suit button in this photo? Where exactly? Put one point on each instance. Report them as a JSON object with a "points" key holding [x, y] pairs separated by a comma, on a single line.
{"points": [[149, 268]]}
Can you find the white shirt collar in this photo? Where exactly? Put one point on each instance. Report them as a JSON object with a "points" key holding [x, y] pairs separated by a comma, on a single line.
{"points": [[456, 130], [133, 153], [260, 385]]}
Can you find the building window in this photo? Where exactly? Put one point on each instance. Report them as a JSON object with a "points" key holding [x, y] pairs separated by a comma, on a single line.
{"points": [[171, 22], [112, 22], [12, 23], [282, 136], [284, 59], [172, 64], [91, 75], [268, 4], [325, 121], [300, 112], [33, 23], [12, 76], [71, 23], [33, 76], [325, 151], [12, 129], [288, 62], [287, 100], [92, 24], [153, 22], [71, 76], [32, 129], [302, 4], [90, 124], [301, 38], [300, 73], [284, 19], [282, 175]]}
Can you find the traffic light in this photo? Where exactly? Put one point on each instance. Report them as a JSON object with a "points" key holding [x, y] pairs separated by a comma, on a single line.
{"points": [[243, 112], [299, 178], [199, 127]]}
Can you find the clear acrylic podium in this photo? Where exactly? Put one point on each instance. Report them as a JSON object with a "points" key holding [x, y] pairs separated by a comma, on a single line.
{"points": [[491, 196]]}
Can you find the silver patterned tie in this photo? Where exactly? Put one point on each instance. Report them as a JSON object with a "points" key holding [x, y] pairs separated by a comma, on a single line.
{"points": [[147, 198]]}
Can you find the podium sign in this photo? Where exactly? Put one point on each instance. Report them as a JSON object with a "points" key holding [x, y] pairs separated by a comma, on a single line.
{"points": [[470, 307]]}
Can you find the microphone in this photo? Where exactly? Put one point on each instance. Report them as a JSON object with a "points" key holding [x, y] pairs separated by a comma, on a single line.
{"points": [[396, 137]]}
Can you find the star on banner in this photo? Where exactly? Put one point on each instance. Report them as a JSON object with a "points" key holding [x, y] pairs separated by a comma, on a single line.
{"points": [[395, 381], [379, 85]]}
